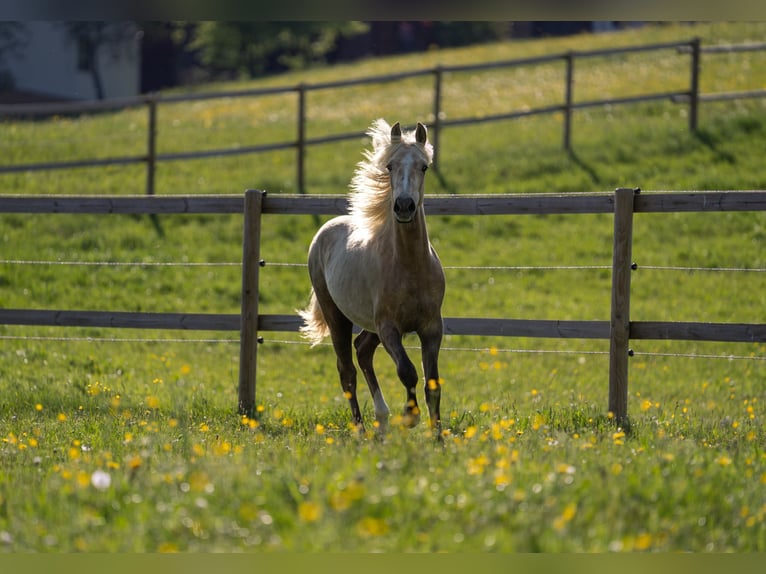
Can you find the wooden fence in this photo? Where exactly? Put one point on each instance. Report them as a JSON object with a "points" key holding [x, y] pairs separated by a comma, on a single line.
{"points": [[619, 330], [691, 97]]}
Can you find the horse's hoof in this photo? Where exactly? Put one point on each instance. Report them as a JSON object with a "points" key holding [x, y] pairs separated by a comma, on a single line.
{"points": [[411, 418], [381, 424]]}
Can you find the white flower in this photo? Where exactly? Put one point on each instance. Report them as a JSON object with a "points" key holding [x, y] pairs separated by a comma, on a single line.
{"points": [[100, 480]]}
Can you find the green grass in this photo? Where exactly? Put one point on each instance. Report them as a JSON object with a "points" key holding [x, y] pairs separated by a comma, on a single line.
{"points": [[531, 462]]}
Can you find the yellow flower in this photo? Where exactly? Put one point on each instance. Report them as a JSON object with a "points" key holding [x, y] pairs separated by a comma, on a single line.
{"points": [[646, 404], [369, 526], [309, 511], [319, 429], [222, 448], [567, 514], [61, 417], [152, 402], [38, 407], [502, 479], [643, 541], [723, 460], [199, 481], [340, 501], [476, 465]]}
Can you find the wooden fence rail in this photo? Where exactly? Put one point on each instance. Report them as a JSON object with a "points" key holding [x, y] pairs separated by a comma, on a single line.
{"points": [[691, 97], [619, 330]]}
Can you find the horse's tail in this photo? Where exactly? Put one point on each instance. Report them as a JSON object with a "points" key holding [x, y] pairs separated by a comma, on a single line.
{"points": [[315, 327]]}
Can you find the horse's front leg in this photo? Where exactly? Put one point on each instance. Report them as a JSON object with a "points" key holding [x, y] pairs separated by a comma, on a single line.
{"points": [[430, 343], [391, 338]]}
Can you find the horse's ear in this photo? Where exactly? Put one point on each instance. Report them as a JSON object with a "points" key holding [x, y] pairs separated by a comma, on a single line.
{"points": [[396, 133], [421, 134]]}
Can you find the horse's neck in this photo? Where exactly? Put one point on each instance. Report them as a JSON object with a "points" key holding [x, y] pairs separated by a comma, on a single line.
{"points": [[411, 239]]}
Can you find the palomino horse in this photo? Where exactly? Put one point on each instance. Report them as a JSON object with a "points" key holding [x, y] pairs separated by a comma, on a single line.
{"points": [[376, 268]]}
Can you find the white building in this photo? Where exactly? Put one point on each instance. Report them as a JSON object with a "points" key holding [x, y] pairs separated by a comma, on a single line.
{"points": [[54, 63]]}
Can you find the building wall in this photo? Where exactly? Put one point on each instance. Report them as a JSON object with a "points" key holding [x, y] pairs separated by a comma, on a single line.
{"points": [[49, 66]]}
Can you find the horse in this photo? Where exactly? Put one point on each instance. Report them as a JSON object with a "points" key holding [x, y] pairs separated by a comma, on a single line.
{"points": [[375, 268]]}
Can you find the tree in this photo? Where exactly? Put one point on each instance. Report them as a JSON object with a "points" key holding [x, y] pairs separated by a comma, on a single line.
{"points": [[251, 49], [13, 38], [92, 38]]}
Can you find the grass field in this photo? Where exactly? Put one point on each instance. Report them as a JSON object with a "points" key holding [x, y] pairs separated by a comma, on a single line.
{"points": [[129, 440]]}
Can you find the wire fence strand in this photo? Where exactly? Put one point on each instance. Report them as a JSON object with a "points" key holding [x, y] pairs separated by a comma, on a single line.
{"points": [[124, 263], [483, 350], [113, 339], [446, 267], [712, 269]]}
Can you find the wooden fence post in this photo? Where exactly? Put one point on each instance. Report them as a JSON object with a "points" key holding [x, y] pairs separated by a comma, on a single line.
{"points": [[619, 332], [248, 347], [434, 133], [301, 156], [151, 147], [694, 89], [568, 95]]}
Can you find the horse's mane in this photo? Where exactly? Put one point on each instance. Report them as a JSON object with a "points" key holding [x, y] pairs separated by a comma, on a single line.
{"points": [[370, 198]]}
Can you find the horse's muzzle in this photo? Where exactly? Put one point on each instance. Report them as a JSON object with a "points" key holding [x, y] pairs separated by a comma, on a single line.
{"points": [[404, 209]]}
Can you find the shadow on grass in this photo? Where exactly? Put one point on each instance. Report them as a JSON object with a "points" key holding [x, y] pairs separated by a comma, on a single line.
{"points": [[587, 168], [709, 140]]}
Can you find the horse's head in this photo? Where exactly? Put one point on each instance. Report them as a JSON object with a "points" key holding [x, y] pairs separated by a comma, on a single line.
{"points": [[406, 167]]}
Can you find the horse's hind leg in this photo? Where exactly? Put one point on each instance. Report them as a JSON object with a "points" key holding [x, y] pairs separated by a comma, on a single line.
{"points": [[408, 374], [340, 333], [366, 343]]}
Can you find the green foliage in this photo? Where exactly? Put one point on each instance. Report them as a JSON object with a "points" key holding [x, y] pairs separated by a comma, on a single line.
{"points": [[251, 48], [128, 441]]}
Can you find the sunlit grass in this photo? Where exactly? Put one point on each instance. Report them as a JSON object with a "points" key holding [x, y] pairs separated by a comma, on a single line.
{"points": [[534, 475]]}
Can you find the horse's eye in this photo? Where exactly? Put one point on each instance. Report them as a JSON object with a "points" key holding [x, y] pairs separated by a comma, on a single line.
{"points": [[425, 167], [388, 167]]}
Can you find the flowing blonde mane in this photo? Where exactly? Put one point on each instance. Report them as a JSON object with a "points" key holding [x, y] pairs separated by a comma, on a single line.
{"points": [[370, 198]]}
